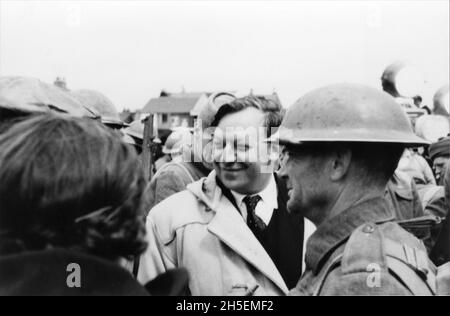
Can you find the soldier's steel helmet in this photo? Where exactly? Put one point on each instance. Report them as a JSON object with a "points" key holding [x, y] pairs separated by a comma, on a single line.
{"points": [[346, 113], [441, 101], [432, 127], [136, 129], [99, 103], [31, 95]]}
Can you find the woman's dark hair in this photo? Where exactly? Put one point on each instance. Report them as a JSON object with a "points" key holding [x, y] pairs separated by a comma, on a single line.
{"points": [[273, 111], [72, 183]]}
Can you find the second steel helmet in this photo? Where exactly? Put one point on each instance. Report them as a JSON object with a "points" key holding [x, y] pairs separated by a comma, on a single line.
{"points": [[441, 101], [100, 104], [135, 129], [432, 127], [346, 113], [31, 95]]}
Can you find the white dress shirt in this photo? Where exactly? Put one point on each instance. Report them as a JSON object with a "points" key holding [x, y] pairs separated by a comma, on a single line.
{"points": [[268, 203]]}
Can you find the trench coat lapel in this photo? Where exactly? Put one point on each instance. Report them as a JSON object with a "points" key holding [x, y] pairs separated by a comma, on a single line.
{"points": [[229, 227]]}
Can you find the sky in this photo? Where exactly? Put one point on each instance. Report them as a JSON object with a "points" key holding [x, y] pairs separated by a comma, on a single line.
{"points": [[130, 50]]}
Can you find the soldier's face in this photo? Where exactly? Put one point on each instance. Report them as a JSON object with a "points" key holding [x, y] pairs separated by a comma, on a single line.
{"points": [[306, 182], [239, 161], [439, 166]]}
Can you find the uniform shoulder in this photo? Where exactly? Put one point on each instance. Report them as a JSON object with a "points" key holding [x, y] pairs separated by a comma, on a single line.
{"points": [[364, 263], [367, 245]]}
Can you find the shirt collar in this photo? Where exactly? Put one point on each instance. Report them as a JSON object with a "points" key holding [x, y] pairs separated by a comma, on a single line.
{"points": [[333, 232], [269, 195]]}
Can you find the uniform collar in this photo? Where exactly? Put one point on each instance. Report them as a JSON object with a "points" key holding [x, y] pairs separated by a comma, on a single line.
{"points": [[333, 232]]}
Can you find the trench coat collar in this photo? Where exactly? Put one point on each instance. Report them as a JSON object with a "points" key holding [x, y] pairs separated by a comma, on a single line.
{"points": [[334, 232], [229, 227]]}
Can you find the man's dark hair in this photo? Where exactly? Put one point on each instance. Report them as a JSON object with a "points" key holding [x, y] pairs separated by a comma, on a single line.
{"points": [[273, 111], [71, 183], [8, 116]]}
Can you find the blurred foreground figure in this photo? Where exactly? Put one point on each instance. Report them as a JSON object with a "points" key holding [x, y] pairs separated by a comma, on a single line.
{"points": [[342, 145], [416, 167], [71, 209]]}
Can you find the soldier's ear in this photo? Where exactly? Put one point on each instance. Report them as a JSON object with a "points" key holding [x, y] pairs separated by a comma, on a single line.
{"points": [[340, 163]]}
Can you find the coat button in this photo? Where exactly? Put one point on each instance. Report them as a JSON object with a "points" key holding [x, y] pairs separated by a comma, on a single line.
{"points": [[368, 229]]}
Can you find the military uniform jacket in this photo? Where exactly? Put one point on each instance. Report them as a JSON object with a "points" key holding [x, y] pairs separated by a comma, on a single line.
{"points": [[373, 222]]}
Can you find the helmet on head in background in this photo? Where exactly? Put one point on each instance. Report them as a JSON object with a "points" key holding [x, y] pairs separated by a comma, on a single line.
{"points": [[432, 127], [346, 113], [100, 104], [441, 101], [135, 130], [31, 95], [175, 142]]}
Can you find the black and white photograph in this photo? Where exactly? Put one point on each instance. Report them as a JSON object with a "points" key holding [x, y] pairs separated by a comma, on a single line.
{"points": [[224, 153]]}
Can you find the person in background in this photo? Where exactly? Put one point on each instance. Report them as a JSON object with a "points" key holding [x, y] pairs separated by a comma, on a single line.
{"points": [[160, 158], [134, 135], [186, 163], [440, 156], [177, 144], [71, 192], [441, 251], [416, 167], [403, 196]]}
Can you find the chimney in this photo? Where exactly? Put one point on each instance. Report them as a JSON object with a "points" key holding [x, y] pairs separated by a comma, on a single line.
{"points": [[61, 83]]}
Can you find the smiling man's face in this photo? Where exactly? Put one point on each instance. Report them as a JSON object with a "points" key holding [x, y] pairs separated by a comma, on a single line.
{"points": [[239, 161]]}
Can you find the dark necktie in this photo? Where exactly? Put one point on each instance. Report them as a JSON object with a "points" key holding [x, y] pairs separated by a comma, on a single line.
{"points": [[254, 222]]}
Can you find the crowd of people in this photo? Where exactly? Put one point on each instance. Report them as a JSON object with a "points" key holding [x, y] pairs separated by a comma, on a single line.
{"points": [[342, 193]]}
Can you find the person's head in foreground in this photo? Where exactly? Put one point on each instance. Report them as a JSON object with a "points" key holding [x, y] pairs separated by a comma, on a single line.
{"points": [[70, 183], [243, 161]]}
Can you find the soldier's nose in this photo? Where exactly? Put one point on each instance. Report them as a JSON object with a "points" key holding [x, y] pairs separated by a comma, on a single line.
{"points": [[282, 171]]}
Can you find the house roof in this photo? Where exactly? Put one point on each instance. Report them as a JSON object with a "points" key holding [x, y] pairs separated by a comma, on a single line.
{"points": [[170, 105], [188, 94], [274, 97]]}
